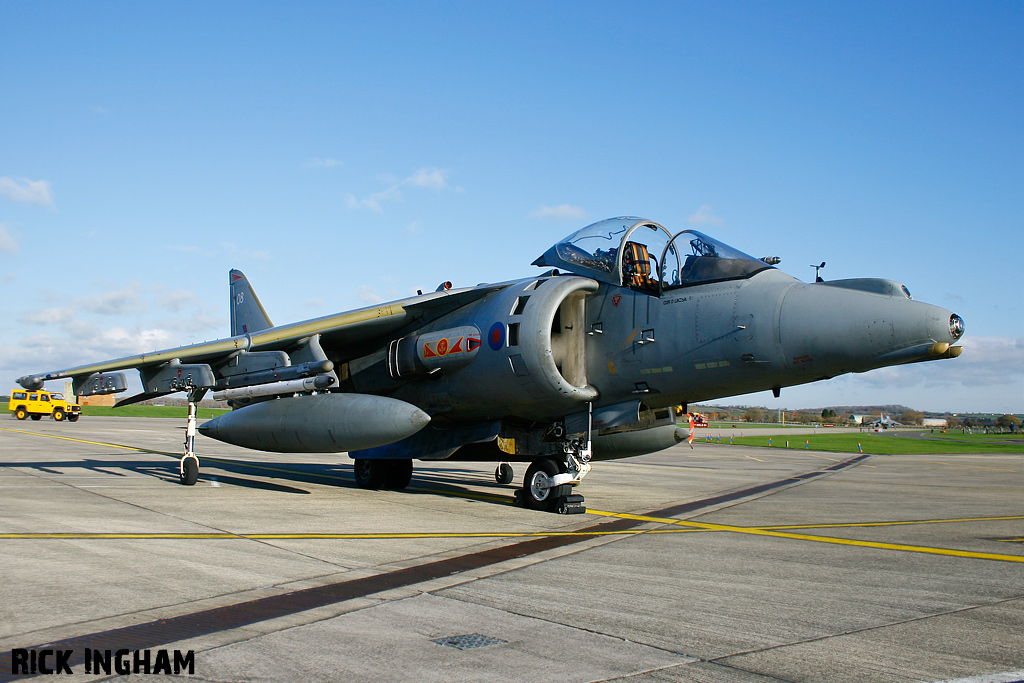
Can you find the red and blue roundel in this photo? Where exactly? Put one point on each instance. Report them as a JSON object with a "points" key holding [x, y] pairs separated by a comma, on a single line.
{"points": [[496, 336]]}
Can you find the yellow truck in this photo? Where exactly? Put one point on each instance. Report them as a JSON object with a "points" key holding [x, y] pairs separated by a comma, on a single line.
{"points": [[35, 404]]}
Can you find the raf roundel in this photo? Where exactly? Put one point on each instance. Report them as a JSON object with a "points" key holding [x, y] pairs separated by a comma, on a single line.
{"points": [[496, 336]]}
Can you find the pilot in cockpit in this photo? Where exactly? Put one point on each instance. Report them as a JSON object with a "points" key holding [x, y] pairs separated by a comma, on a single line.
{"points": [[636, 267]]}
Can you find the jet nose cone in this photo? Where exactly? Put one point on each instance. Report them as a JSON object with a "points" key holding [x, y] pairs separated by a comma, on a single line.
{"points": [[956, 326]]}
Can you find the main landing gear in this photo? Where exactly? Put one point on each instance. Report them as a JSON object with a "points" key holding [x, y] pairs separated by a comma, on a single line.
{"points": [[392, 475]]}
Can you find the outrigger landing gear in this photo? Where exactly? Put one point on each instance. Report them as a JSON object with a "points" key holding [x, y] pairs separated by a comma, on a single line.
{"points": [[188, 468]]}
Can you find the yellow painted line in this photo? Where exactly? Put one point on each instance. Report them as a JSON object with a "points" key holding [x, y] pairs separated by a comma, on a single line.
{"points": [[1010, 540], [904, 523], [818, 539], [91, 443]]}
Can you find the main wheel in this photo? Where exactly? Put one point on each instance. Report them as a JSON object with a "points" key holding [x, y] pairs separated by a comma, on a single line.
{"points": [[21, 413], [397, 474], [536, 492], [369, 473], [58, 414], [503, 474], [189, 471]]}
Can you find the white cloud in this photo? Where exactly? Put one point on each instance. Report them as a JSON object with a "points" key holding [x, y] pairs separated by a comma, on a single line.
{"points": [[373, 202], [25, 190], [234, 252], [177, 299], [704, 216], [369, 295], [426, 178], [562, 212], [317, 162], [48, 316], [985, 362], [8, 245], [120, 302], [432, 178]]}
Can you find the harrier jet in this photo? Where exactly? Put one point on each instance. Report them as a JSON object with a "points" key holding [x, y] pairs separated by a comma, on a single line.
{"points": [[581, 362]]}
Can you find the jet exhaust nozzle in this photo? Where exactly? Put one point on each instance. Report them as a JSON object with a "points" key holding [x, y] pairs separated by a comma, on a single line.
{"points": [[323, 423]]}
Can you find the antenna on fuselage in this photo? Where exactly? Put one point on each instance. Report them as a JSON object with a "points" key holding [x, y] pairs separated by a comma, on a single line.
{"points": [[817, 278]]}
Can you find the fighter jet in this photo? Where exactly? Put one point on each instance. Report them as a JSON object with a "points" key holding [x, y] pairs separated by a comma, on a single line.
{"points": [[582, 362]]}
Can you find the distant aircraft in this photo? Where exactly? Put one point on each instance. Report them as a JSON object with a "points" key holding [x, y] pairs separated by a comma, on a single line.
{"points": [[583, 361], [884, 422]]}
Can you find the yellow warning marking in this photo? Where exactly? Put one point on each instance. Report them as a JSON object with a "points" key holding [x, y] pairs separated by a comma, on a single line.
{"points": [[1010, 540], [819, 539]]}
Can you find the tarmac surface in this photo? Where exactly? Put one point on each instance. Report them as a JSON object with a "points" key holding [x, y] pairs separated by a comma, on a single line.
{"points": [[717, 564]]}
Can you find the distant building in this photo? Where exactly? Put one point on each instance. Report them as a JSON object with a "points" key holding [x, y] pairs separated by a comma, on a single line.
{"points": [[935, 422], [101, 400]]}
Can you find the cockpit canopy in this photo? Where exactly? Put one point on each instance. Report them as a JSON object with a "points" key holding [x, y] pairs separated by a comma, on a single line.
{"points": [[637, 253]]}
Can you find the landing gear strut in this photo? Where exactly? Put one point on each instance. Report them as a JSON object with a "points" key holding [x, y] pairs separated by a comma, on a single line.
{"points": [[188, 467], [548, 482]]}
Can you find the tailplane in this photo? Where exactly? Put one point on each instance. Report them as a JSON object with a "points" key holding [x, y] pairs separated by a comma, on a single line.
{"points": [[247, 314]]}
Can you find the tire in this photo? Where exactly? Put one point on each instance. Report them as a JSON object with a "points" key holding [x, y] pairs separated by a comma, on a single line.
{"points": [[73, 417], [369, 473], [36, 417], [58, 414], [21, 413], [189, 472], [504, 474], [397, 474], [537, 498]]}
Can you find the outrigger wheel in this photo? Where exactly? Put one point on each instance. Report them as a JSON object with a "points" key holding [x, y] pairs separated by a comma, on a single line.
{"points": [[189, 471]]}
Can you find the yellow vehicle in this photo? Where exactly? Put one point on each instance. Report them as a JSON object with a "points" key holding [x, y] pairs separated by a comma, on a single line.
{"points": [[35, 404]]}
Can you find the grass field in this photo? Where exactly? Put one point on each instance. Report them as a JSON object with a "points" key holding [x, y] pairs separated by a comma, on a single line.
{"points": [[145, 411], [882, 444]]}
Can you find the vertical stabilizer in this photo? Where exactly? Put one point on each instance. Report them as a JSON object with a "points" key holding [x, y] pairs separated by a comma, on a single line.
{"points": [[247, 314]]}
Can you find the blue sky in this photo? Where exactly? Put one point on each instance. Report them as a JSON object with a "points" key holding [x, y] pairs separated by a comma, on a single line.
{"points": [[343, 154]]}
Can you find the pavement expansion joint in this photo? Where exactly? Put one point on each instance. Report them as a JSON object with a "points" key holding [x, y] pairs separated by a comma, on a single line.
{"points": [[868, 629]]}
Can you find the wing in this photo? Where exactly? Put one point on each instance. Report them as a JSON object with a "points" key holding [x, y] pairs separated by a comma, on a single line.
{"points": [[243, 357]]}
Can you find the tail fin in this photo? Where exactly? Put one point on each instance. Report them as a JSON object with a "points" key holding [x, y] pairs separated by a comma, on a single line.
{"points": [[247, 314]]}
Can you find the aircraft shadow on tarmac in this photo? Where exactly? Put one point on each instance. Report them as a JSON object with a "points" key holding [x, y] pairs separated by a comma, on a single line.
{"points": [[158, 470], [438, 481]]}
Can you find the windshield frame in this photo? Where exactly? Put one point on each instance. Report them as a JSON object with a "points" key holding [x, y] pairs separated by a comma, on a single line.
{"points": [[740, 265]]}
